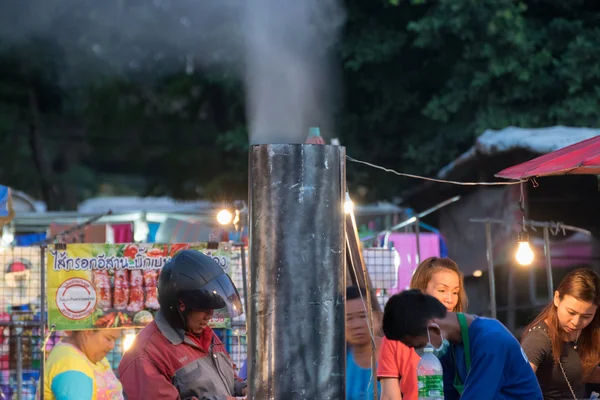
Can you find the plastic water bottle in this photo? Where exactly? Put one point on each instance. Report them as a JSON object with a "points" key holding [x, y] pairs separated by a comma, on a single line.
{"points": [[430, 376]]}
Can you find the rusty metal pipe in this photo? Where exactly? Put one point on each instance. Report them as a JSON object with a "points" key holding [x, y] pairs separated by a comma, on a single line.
{"points": [[297, 346]]}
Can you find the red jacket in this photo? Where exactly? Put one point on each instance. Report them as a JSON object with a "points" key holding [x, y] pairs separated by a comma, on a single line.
{"points": [[166, 364]]}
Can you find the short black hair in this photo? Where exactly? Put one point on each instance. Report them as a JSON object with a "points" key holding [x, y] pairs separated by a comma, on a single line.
{"points": [[407, 314], [355, 292]]}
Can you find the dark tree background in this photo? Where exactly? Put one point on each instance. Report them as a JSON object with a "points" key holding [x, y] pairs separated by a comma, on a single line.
{"points": [[420, 79]]}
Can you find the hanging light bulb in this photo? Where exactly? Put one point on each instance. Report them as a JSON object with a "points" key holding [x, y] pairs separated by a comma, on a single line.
{"points": [[524, 255]]}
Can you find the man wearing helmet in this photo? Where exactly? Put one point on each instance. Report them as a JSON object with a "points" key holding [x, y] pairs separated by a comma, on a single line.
{"points": [[178, 356]]}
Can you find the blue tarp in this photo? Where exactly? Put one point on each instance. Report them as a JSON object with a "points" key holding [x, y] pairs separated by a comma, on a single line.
{"points": [[3, 201], [152, 229], [28, 240], [443, 247]]}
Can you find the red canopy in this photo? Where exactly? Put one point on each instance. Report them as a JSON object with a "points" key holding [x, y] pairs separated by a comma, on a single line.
{"points": [[582, 158]]}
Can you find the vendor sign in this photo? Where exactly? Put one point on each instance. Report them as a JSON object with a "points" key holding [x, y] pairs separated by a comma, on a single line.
{"points": [[97, 286]]}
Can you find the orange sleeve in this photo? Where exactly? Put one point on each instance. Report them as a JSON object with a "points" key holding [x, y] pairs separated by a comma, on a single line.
{"points": [[388, 365], [408, 373], [400, 362]]}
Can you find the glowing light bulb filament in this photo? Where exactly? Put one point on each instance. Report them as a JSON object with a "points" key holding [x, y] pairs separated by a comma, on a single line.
{"points": [[524, 255]]}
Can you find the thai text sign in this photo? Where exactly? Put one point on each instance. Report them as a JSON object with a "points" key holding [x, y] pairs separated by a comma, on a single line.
{"points": [[95, 286]]}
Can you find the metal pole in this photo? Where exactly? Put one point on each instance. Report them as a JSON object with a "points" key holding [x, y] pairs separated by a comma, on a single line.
{"points": [[354, 262], [354, 259], [369, 306], [510, 298], [411, 220], [19, 331], [42, 318], [490, 260], [374, 368], [245, 283], [297, 282], [536, 224], [418, 241], [548, 262]]}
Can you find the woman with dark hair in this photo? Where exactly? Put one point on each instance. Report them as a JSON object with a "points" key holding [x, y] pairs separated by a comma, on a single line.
{"points": [[563, 341]]}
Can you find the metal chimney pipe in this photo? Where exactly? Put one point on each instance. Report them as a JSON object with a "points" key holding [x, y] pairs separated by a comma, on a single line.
{"points": [[297, 344]]}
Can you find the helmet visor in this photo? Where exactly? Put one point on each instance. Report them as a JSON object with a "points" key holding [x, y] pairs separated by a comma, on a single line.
{"points": [[220, 293]]}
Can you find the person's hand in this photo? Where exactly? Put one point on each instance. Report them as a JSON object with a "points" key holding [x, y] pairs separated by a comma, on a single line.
{"points": [[245, 391]]}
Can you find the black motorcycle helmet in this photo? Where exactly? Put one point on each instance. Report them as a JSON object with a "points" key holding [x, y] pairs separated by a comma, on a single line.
{"points": [[192, 281]]}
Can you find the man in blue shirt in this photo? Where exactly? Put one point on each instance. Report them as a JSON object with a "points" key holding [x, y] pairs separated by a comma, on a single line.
{"points": [[479, 355]]}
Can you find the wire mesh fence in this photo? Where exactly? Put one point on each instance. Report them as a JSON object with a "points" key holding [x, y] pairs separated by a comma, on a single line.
{"points": [[22, 338], [382, 265], [20, 319], [235, 337], [21, 296]]}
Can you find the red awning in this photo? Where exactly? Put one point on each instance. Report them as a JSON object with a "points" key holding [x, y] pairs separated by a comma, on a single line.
{"points": [[582, 158]]}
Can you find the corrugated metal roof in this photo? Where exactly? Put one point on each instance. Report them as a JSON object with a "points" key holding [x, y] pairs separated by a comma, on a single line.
{"points": [[149, 204], [536, 140]]}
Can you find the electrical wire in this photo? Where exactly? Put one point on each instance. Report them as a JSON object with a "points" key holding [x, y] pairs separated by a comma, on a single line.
{"points": [[435, 179]]}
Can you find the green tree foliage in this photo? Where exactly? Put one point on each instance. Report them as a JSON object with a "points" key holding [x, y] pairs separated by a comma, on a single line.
{"points": [[421, 79], [427, 77]]}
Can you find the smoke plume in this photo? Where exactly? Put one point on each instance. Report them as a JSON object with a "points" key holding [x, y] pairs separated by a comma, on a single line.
{"points": [[288, 70], [281, 49]]}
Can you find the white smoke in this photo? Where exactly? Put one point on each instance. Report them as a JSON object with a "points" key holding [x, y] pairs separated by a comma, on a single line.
{"points": [[280, 48], [288, 70]]}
